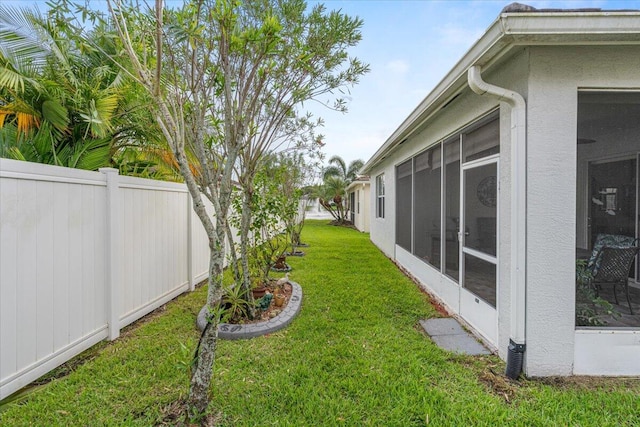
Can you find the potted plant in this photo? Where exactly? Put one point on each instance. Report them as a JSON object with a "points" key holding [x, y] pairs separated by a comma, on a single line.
{"points": [[279, 295], [279, 299], [258, 288]]}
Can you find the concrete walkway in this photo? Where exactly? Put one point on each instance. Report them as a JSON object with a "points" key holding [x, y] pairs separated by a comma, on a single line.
{"points": [[449, 335]]}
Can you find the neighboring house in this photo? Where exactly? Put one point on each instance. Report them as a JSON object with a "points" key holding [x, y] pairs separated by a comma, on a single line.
{"points": [[508, 170], [358, 196]]}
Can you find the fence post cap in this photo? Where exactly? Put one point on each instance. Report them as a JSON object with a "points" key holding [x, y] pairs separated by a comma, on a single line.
{"points": [[109, 170]]}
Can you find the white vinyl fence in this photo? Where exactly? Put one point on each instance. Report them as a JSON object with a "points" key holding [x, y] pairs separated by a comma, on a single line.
{"points": [[83, 254]]}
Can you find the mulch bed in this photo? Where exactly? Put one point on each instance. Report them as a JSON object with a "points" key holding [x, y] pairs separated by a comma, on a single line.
{"points": [[273, 310]]}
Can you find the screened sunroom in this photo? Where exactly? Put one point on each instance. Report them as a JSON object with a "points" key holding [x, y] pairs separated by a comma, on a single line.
{"points": [[511, 191], [608, 146]]}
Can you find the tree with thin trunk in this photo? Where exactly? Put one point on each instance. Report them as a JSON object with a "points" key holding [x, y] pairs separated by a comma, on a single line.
{"points": [[182, 59], [307, 61], [227, 79], [299, 173]]}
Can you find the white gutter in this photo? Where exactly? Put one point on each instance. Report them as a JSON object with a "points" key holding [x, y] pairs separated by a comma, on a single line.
{"points": [[518, 195]]}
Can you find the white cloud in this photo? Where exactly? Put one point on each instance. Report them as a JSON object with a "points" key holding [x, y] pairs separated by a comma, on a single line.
{"points": [[398, 66], [455, 35]]}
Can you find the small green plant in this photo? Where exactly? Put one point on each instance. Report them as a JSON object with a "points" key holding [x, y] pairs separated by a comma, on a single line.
{"points": [[591, 310], [235, 304]]}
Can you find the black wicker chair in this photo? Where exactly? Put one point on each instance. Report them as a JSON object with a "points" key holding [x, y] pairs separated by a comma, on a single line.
{"points": [[613, 268]]}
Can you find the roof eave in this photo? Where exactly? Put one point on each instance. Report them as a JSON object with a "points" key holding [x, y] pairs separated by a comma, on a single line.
{"points": [[508, 31], [358, 181]]}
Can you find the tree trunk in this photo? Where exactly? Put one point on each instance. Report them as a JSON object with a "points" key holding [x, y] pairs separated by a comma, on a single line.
{"points": [[204, 356], [232, 253], [328, 207], [201, 375], [245, 223]]}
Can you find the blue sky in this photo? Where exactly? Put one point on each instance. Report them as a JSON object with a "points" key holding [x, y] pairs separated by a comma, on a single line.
{"points": [[410, 46]]}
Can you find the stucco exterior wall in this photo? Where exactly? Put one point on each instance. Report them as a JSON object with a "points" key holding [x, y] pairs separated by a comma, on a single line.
{"points": [[364, 216], [464, 110], [361, 211], [557, 73], [549, 78], [383, 229]]}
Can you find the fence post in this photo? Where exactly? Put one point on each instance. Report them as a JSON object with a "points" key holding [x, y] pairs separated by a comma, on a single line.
{"points": [[191, 278], [113, 259]]}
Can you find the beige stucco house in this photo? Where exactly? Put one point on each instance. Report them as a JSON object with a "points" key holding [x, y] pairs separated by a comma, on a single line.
{"points": [[358, 193], [508, 171]]}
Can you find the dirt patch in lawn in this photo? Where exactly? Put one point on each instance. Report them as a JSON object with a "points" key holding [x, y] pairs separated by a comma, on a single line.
{"points": [[174, 414], [498, 384]]}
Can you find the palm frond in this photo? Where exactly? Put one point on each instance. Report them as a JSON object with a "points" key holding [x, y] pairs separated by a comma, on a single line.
{"points": [[12, 80], [15, 154], [56, 114], [93, 155], [332, 171], [335, 186], [354, 168], [22, 36], [340, 163], [26, 122]]}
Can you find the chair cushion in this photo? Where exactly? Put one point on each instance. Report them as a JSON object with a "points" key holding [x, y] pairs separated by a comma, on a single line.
{"points": [[610, 240]]}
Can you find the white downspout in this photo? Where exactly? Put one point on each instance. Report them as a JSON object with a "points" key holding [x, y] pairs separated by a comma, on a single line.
{"points": [[518, 200]]}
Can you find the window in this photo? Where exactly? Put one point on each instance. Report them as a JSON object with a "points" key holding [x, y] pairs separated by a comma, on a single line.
{"points": [[352, 204], [358, 201], [380, 196], [403, 204]]}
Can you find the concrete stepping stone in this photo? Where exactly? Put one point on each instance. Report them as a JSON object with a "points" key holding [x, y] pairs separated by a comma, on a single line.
{"points": [[448, 334]]}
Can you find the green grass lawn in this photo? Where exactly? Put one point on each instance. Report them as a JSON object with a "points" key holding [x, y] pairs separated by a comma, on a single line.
{"points": [[355, 356]]}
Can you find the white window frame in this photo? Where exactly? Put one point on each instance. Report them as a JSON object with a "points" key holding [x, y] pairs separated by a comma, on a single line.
{"points": [[380, 196]]}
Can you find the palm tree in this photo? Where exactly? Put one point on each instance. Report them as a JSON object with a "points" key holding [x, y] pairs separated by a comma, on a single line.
{"points": [[331, 198], [338, 167], [59, 100], [64, 102], [337, 177]]}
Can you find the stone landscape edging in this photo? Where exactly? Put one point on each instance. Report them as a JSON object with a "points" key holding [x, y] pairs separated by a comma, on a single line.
{"points": [[237, 332]]}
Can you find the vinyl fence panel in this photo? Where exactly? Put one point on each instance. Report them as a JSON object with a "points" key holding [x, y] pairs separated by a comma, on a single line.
{"points": [[154, 245], [82, 254]]}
